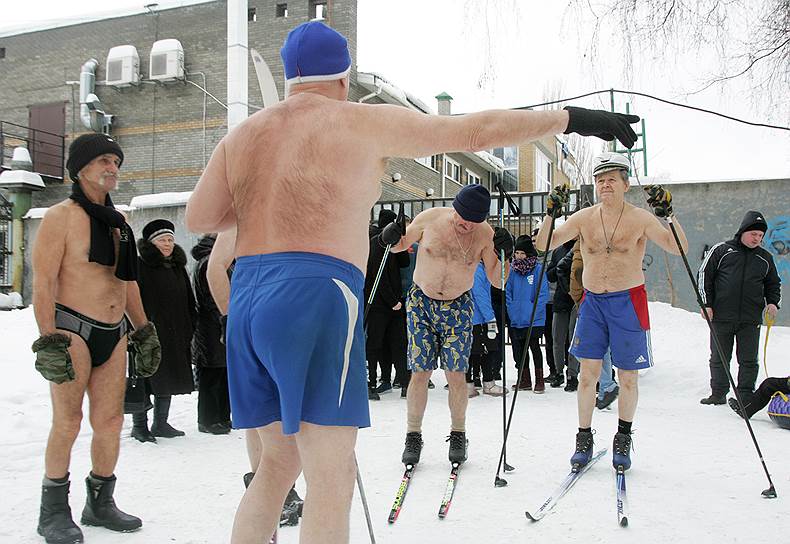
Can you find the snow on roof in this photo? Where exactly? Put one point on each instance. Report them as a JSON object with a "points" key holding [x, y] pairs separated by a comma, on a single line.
{"points": [[160, 200], [48, 24]]}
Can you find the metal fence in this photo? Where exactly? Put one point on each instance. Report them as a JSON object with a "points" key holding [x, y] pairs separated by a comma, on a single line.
{"points": [[6, 221], [532, 205], [47, 149]]}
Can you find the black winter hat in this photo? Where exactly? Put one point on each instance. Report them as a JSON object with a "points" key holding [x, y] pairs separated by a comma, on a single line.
{"points": [[157, 228], [473, 203], [524, 243], [386, 217], [86, 148], [753, 221]]}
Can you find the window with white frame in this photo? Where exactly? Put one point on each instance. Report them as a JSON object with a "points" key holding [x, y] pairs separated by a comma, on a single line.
{"points": [[452, 170], [543, 172], [431, 162], [472, 178]]}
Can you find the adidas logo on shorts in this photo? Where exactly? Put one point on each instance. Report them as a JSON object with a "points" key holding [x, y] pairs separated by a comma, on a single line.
{"points": [[640, 359]]}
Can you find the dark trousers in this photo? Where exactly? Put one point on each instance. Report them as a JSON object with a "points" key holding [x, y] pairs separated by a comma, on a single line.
{"points": [[764, 393], [518, 338], [386, 345], [746, 336], [213, 398], [484, 356], [549, 338]]}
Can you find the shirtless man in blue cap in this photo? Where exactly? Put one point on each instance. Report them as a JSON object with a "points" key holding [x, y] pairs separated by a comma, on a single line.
{"points": [[298, 180]]}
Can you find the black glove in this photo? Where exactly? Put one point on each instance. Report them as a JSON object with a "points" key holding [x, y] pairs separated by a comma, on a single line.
{"points": [[557, 200], [503, 241], [603, 124], [660, 200], [392, 233], [223, 323], [52, 357], [147, 351]]}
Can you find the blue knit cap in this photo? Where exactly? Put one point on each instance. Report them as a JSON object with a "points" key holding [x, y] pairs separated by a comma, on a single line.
{"points": [[473, 203], [314, 52]]}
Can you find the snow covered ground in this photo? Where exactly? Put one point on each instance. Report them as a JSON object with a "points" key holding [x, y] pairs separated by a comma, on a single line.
{"points": [[696, 476]]}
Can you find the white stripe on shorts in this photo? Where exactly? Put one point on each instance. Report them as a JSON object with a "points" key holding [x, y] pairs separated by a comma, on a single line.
{"points": [[352, 304]]}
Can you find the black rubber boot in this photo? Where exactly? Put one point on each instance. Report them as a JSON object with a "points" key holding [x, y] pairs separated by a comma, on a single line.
{"points": [[100, 509], [54, 521], [140, 430]]}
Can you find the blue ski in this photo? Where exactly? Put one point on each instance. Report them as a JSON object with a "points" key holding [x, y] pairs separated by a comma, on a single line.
{"points": [[569, 481], [622, 499]]}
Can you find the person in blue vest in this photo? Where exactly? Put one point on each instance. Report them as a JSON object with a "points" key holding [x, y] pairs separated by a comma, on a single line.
{"points": [[484, 356], [521, 290]]}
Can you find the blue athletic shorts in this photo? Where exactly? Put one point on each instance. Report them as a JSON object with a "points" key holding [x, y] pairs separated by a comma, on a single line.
{"points": [[296, 347], [438, 329], [619, 320]]}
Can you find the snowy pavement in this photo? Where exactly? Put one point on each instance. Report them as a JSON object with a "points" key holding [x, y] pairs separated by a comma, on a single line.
{"points": [[695, 476]]}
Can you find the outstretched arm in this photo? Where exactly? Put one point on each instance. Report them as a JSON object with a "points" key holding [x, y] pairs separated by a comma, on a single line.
{"points": [[662, 235], [569, 230]]}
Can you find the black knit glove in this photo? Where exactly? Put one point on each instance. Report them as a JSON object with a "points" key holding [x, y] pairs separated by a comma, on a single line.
{"points": [[557, 200], [144, 344], [53, 360], [660, 200], [503, 241], [602, 124]]}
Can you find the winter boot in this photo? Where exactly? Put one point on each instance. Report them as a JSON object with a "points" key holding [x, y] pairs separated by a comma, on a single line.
{"points": [[54, 521], [160, 426], [572, 385], [558, 381], [491, 388], [100, 509], [384, 387], [292, 509], [525, 383], [471, 392], [540, 384], [584, 449], [411, 453], [622, 451], [608, 398], [248, 479], [458, 444], [372, 395], [140, 430], [714, 399]]}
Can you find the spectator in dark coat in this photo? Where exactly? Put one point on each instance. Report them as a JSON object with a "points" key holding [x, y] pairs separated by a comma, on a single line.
{"points": [[562, 307], [386, 335], [737, 281], [170, 304], [208, 351]]}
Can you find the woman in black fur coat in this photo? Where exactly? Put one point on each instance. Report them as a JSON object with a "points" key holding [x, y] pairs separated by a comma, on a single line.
{"points": [[170, 304]]}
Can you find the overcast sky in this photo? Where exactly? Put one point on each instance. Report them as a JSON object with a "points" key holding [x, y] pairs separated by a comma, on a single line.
{"points": [[507, 53]]}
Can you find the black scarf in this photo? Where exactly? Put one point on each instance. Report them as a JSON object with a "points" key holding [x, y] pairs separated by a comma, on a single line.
{"points": [[103, 220]]}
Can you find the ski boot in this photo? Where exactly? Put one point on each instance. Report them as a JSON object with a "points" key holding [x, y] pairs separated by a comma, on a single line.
{"points": [[411, 453], [621, 447], [584, 450], [458, 444]]}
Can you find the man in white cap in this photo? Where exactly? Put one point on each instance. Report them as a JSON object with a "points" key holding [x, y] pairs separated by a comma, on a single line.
{"points": [[613, 311], [298, 180]]}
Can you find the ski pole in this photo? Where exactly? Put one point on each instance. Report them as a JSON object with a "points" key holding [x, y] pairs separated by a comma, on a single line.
{"points": [[499, 481], [769, 493], [364, 502], [516, 211], [380, 271]]}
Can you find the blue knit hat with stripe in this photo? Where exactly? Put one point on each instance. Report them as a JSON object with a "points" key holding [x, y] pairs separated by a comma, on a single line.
{"points": [[314, 52]]}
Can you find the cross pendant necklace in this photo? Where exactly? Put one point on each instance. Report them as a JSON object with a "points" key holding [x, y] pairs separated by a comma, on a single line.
{"points": [[606, 238], [464, 251]]}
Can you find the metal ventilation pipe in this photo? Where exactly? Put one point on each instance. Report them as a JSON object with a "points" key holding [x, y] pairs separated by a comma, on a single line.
{"points": [[91, 112]]}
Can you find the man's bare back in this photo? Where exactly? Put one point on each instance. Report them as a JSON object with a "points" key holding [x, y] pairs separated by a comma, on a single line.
{"points": [[85, 287], [447, 259]]}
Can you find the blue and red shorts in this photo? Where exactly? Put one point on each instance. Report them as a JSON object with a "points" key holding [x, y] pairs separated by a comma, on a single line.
{"points": [[618, 320], [296, 347]]}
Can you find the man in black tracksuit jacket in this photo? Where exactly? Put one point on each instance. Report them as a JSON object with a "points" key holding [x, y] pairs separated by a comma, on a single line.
{"points": [[737, 279], [386, 322]]}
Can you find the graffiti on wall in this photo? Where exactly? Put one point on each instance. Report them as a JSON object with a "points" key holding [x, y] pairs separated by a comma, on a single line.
{"points": [[777, 242]]}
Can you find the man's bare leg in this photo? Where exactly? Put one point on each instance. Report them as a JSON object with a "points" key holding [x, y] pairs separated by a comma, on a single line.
{"points": [[258, 515], [417, 399], [457, 399], [106, 391], [330, 481], [589, 372], [67, 411], [253, 448], [629, 394]]}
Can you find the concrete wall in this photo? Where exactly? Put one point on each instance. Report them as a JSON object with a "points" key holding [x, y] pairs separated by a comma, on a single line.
{"points": [[711, 213]]}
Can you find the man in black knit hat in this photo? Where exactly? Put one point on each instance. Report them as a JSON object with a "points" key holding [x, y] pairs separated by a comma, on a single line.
{"points": [[737, 281], [84, 271]]}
